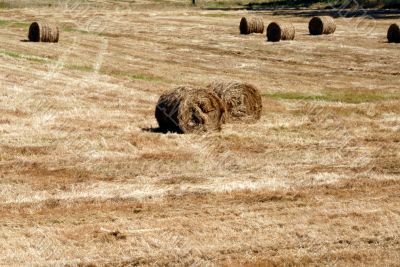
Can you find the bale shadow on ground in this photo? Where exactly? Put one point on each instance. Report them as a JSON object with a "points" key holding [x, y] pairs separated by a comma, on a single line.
{"points": [[345, 13], [154, 130], [303, 8], [355, 8]]}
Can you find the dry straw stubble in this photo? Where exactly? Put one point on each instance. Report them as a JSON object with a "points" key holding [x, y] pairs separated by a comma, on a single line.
{"points": [[43, 32], [278, 31], [251, 25], [322, 25], [188, 109], [242, 101], [393, 33]]}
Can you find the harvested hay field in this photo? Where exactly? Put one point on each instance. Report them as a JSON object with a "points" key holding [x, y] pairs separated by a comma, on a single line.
{"points": [[84, 181]]}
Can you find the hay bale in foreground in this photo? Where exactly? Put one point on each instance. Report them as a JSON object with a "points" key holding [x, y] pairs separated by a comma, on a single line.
{"points": [[322, 25], [242, 101], [189, 110], [43, 32], [252, 25], [393, 33], [280, 31]]}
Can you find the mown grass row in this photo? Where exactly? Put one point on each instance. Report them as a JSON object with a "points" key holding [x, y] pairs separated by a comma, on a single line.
{"points": [[13, 23], [350, 97], [83, 68]]}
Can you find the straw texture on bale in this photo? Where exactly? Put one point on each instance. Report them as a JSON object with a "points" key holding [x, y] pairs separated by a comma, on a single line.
{"points": [[280, 31], [322, 25], [242, 101], [393, 34], [252, 25], [189, 110], [43, 32]]}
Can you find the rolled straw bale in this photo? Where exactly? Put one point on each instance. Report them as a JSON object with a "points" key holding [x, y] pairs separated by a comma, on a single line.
{"points": [[393, 33], [242, 101], [322, 25], [43, 32], [252, 25], [278, 31], [189, 110]]}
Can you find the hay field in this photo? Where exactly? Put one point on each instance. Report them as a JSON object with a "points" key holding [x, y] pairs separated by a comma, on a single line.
{"points": [[84, 181]]}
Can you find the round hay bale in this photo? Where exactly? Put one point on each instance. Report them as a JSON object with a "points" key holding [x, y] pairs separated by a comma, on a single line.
{"points": [[242, 101], [322, 25], [252, 25], [189, 110], [43, 32], [280, 31], [393, 33]]}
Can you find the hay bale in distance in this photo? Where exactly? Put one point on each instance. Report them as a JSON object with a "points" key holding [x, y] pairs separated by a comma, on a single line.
{"points": [[43, 32], [189, 110], [393, 33], [280, 31], [252, 25], [242, 101], [322, 25]]}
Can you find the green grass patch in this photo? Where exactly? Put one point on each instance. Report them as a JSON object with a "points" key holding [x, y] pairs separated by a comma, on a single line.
{"points": [[69, 29], [83, 68], [352, 97], [221, 5], [12, 54], [4, 22], [137, 76], [20, 24], [17, 55], [13, 23], [144, 77], [4, 5]]}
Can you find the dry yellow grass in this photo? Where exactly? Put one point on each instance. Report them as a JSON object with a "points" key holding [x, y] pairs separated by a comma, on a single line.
{"points": [[84, 182]]}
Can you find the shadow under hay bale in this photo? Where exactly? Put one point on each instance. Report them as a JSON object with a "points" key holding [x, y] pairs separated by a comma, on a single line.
{"points": [[322, 25], [43, 32], [252, 25], [242, 101], [189, 110], [393, 33], [280, 31]]}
